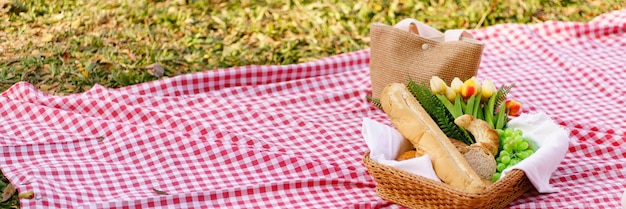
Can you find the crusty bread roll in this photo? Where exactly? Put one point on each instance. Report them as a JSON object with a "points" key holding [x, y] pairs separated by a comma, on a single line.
{"points": [[410, 154], [406, 155], [414, 123], [486, 137]]}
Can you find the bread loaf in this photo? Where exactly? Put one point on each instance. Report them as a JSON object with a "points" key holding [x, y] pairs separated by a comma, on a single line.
{"points": [[481, 161], [414, 123]]}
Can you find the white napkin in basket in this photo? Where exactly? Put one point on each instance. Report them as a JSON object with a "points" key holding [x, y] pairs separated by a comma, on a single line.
{"points": [[386, 143], [553, 142]]}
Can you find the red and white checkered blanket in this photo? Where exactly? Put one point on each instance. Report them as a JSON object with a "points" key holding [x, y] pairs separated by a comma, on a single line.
{"points": [[289, 136]]}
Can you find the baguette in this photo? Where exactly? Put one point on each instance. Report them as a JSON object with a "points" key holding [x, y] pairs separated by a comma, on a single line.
{"points": [[414, 123]]}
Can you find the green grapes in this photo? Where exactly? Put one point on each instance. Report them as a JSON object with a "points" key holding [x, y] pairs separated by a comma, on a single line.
{"points": [[513, 149]]}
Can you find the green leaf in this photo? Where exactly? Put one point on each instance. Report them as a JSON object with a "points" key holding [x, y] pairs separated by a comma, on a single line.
{"points": [[438, 112], [501, 94], [477, 105], [479, 113], [469, 108], [447, 104], [374, 101], [458, 106], [489, 111], [502, 119], [500, 97], [463, 105]]}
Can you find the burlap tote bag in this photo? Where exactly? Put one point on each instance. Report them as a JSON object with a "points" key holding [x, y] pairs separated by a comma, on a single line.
{"points": [[416, 50]]}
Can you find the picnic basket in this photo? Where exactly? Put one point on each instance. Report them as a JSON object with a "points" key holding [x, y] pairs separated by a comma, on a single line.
{"points": [[414, 191], [397, 55]]}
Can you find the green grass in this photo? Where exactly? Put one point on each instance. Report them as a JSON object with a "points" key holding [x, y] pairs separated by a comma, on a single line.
{"points": [[67, 46]]}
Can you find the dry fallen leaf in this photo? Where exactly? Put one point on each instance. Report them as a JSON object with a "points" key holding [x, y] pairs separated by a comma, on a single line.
{"points": [[69, 87], [103, 20], [156, 70], [131, 55], [77, 23], [47, 38], [57, 17], [159, 192], [101, 64], [11, 61], [83, 72], [26, 195], [65, 56], [8, 192], [49, 87]]}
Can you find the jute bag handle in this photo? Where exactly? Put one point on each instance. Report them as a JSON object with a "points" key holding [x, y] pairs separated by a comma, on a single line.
{"points": [[426, 31], [396, 54]]}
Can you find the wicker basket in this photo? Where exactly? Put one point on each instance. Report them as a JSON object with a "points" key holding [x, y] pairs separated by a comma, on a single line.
{"points": [[415, 191]]}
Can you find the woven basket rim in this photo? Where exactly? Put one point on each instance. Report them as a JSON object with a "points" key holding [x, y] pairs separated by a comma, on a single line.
{"points": [[512, 176], [415, 191]]}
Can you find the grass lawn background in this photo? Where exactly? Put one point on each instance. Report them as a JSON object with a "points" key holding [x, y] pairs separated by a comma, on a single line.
{"points": [[65, 46]]}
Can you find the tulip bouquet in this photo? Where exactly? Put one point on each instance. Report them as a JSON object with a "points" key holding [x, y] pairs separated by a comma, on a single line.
{"points": [[485, 102], [479, 99]]}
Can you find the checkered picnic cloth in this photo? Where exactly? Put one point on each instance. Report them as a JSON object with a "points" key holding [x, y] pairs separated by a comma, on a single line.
{"points": [[289, 136]]}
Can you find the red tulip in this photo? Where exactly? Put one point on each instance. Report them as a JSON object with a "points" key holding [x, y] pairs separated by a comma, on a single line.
{"points": [[514, 107], [469, 88]]}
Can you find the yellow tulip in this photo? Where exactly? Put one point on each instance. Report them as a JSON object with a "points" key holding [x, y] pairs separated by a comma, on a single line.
{"points": [[450, 94], [488, 89], [437, 85], [456, 85]]}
